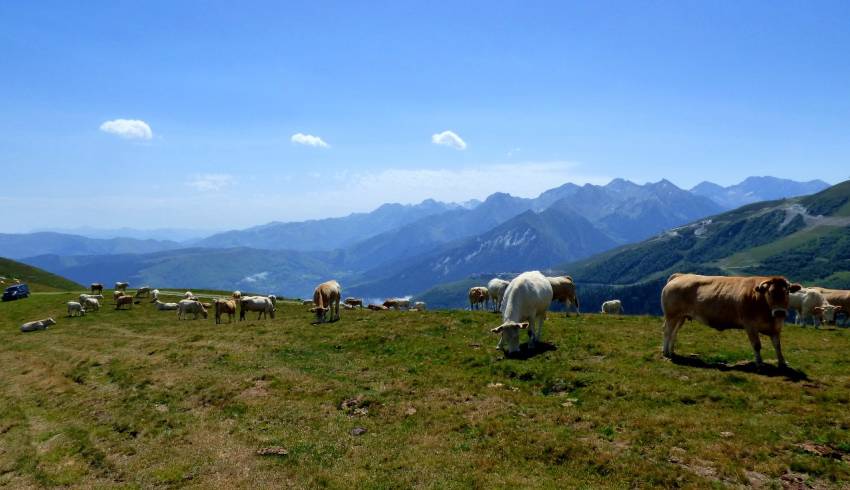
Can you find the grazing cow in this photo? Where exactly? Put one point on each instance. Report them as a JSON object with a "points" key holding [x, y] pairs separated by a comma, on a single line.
{"points": [[326, 298], [273, 298], [154, 295], [260, 304], [37, 325], [223, 306], [526, 301], [143, 292], [237, 295], [84, 297], [496, 291], [353, 302], [121, 286], [811, 303], [478, 296], [397, 303], [75, 309], [91, 304], [612, 307], [837, 297], [420, 305], [564, 291], [124, 300], [96, 288], [187, 306], [165, 306], [757, 305], [116, 295], [374, 307]]}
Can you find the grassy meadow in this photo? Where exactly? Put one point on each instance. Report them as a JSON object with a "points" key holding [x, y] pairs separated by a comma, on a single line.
{"points": [[139, 399]]}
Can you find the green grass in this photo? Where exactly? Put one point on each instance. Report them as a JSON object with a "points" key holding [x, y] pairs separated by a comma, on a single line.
{"points": [[37, 279], [139, 399]]}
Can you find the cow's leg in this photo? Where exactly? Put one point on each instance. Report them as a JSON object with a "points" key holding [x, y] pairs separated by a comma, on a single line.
{"points": [[539, 334], [777, 346], [755, 341], [532, 332], [671, 326]]}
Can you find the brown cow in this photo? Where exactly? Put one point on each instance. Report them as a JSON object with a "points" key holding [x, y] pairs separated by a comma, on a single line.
{"points": [[758, 305], [374, 307], [224, 306], [564, 291], [397, 303], [123, 300], [326, 297], [478, 295], [96, 288]]}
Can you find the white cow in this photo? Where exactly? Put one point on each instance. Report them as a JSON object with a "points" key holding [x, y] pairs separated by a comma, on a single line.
{"points": [[496, 289], [525, 303], [154, 295], [189, 295], [91, 304], [420, 305], [37, 325], [810, 303], [84, 297], [75, 309], [187, 306], [273, 298], [612, 307], [165, 306], [260, 304]]}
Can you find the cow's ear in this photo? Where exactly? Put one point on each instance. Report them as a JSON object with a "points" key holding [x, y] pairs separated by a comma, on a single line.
{"points": [[761, 288], [523, 325], [794, 288]]}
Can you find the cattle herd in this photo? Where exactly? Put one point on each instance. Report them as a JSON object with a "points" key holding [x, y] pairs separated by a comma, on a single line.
{"points": [[757, 305]]}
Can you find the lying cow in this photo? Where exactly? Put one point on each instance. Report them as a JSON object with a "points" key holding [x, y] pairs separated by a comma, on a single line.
{"points": [[526, 301], [478, 296], [75, 309], [758, 305], [612, 307], [189, 306], [260, 304], [564, 292], [375, 307], [326, 297], [37, 325], [124, 300], [353, 302], [165, 306], [222, 307], [96, 288]]}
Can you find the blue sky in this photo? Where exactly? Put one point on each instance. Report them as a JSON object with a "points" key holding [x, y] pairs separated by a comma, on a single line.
{"points": [[540, 93]]}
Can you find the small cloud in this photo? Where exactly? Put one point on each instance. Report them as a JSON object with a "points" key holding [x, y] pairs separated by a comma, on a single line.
{"points": [[260, 276], [134, 129], [309, 140], [513, 152], [211, 182], [448, 138]]}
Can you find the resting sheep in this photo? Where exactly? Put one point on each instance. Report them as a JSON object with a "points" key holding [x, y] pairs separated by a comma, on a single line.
{"points": [[526, 302], [37, 325]]}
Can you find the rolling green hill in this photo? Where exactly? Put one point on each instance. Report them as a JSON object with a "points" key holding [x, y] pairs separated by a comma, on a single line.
{"points": [[37, 279], [806, 239]]}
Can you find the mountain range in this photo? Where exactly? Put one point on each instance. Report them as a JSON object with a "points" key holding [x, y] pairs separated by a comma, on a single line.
{"points": [[396, 249]]}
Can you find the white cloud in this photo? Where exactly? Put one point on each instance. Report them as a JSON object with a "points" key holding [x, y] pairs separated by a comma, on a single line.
{"points": [[135, 129], [309, 140], [260, 276], [210, 182], [448, 138]]}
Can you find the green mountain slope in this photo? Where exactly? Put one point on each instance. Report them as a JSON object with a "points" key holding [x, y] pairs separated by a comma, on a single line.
{"points": [[38, 280], [806, 239]]}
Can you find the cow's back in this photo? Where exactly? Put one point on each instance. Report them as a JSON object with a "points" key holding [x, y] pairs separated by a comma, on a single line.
{"points": [[530, 292]]}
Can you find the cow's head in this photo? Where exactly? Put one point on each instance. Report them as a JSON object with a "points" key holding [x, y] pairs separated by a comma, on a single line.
{"points": [[320, 312], [510, 335], [49, 321], [828, 312], [775, 291]]}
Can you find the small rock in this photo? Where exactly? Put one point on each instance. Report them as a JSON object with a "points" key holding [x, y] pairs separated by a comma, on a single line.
{"points": [[726, 434], [358, 431], [272, 451], [159, 407], [475, 346], [495, 385], [361, 411], [410, 411], [756, 479]]}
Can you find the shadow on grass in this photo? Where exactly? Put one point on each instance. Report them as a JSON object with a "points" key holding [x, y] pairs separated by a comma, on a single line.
{"points": [[324, 322], [768, 370], [527, 353]]}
